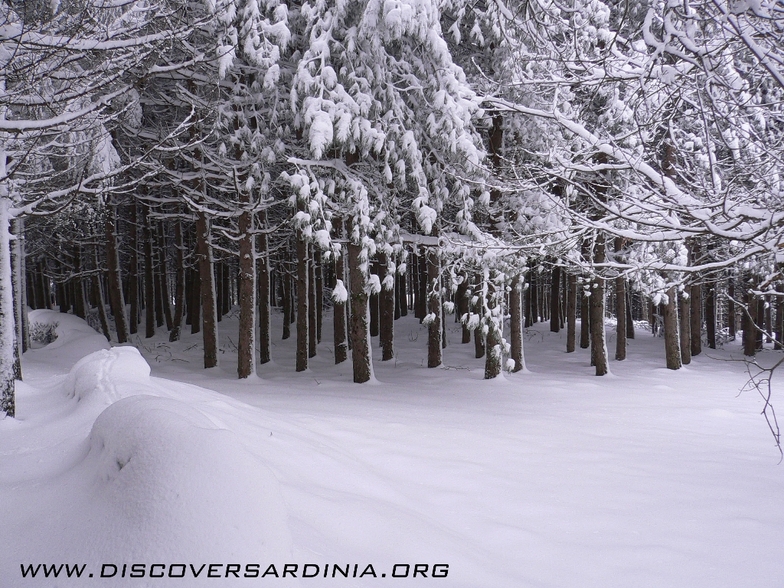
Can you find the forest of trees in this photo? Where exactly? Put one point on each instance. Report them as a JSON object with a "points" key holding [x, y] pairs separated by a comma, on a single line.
{"points": [[496, 163]]}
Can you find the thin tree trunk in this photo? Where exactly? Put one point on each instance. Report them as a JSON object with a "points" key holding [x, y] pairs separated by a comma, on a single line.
{"points": [[571, 315], [246, 340], [319, 269], [629, 317], [179, 287], [684, 316], [303, 332], [359, 328], [434, 349], [286, 306], [493, 353], [555, 300], [598, 337], [264, 303], [585, 319], [749, 321], [387, 312], [207, 279], [516, 320], [114, 278], [20, 287], [620, 316], [163, 273], [672, 349], [710, 314], [100, 300], [339, 306], [731, 308], [462, 308], [312, 303], [696, 319], [133, 272], [8, 347], [149, 277]]}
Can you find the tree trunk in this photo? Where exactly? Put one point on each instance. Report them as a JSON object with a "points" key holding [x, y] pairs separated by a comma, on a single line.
{"points": [[585, 318], [684, 316], [303, 332], [149, 276], [387, 312], [516, 320], [463, 308], [179, 287], [359, 329], [710, 314], [749, 322], [312, 303], [319, 269], [672, 349], [696, 319], [339, 306], [114, 278], [434, 349], [598, 338], [731, 308], [100, 302], [133, 272], [8, 348], [422, 285], [629, 317], [207, 279], [571, 315], [620, 316], [263, 273], [287, 303], [246, 341], [493, 353], [20, 287], [163, 277], [555, 300]]}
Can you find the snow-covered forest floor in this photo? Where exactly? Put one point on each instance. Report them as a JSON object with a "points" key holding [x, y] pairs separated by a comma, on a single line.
{"points": [[553, 478]]}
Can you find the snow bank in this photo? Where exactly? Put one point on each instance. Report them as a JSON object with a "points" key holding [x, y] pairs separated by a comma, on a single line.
{"points": [[108, 375], [166, 484], [75, 339]]}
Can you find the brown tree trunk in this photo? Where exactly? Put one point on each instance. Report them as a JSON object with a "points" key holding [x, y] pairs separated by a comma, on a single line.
{"points": [[672, 349], [359, 322], [387, 314], [114, 277], [303, 331], [555, 300], [133, 272], [598, 340], [620, 315], [731, 308], [585, 319], [246, 340], [571, 315], [684, 316], [493, 354], [149, 284], [516, 320], [696, 319], [434, 349], [312, 303], [339, 325], [179, 284], [164, 277], [710, 313], [287, 303], [263, 273], [207, 287]]}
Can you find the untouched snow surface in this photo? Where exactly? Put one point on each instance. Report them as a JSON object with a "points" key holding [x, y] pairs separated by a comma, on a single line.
{"points": [[552, 478]]}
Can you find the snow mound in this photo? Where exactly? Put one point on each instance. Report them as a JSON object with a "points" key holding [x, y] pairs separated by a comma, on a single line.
{"points": [[107, 375], [75, 339], [167, 483]]}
